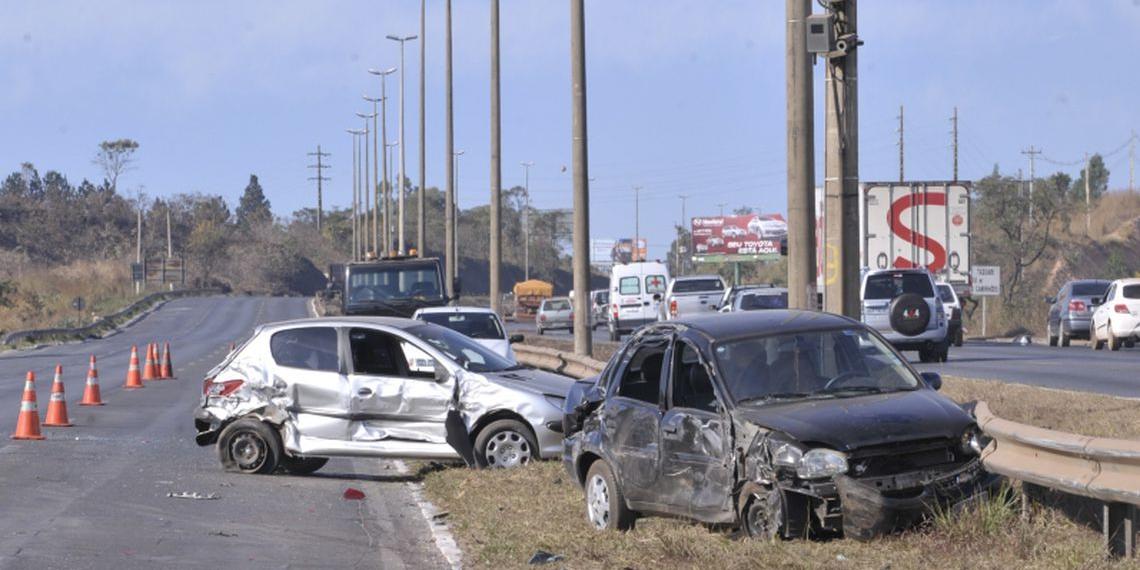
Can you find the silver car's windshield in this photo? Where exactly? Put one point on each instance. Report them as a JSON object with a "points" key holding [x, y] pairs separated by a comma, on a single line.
{"points": [[473, 325], [829, 363], [464, 351]]}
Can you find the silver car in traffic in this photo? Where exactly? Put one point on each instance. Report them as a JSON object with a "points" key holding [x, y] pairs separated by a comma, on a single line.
{"points": [[299, 392]]}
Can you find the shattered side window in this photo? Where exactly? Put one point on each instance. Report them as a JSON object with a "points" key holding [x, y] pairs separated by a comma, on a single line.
{"points": [[641, 379], [692, 387], [309, 348], [373, 353]]}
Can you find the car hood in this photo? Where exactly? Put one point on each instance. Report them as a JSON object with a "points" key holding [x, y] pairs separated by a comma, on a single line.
{"points": [[499, 346], [847, 424], [532, 380]]}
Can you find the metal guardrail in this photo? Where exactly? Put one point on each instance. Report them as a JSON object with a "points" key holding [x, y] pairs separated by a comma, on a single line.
{"points": [[573, 365], [109, 322], [1102, 469]]}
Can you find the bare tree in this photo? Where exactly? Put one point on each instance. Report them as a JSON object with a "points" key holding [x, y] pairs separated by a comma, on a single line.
{"points": [[115, 158]]}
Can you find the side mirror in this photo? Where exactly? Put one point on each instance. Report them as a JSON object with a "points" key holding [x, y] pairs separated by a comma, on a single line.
{"points": [[441, 373], [515, 338], [1095, 301], [932, 379]]}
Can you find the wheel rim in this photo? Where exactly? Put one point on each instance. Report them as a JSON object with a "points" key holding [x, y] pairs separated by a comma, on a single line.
{"points": [[764, 517], [507, 449], [598, 502], [248, 450]]}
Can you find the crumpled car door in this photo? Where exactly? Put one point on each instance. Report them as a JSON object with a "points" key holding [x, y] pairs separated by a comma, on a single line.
{"points": [[307, 366], [394, 394]]}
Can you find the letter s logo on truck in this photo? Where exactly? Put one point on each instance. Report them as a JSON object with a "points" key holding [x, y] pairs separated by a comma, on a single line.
{"points": [[894, 219]]}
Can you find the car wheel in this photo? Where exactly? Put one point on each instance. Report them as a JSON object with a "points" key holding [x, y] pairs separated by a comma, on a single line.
{"points": [[1129, 343], [1094, 342], [302, 465], [763, 516], [1052, 337], [1066, 338], [959, 338], [504, 444], [540, 330], [1113, 340], [249, 446], [605, 504], [942, 354], [925, 355]]}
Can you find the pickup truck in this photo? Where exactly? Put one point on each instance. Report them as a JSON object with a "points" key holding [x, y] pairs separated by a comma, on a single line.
{"points": [[691, 295]]}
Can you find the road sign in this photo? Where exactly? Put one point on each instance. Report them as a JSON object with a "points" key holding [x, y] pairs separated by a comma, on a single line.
{"points": [[137, 272], [987, 280], [748, 237]]}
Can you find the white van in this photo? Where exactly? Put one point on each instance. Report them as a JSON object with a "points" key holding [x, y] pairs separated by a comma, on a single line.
{"points": [[636, 291]]}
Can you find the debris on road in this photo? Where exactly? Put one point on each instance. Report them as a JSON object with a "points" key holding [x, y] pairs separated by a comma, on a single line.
{"points": [[353, 494], [194, 496], [543, 557]]}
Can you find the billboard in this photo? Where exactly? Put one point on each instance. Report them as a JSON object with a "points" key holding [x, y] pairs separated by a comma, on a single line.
{"points": [[918, 224], [748, 237], [606, 252], [601, 252]]}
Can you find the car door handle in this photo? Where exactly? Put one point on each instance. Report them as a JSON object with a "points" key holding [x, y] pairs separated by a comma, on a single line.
{"points": [[669, 429], [364, 392]]}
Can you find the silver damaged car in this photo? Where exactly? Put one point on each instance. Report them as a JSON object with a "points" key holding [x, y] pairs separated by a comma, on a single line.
{"points": [[299, 392]]}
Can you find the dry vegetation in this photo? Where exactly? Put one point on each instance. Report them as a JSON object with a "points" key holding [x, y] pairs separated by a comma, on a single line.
{"points": [[38, 296]]}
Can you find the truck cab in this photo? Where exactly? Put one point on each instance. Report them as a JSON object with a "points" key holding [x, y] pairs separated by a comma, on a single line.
{"points": [[394, 286]]}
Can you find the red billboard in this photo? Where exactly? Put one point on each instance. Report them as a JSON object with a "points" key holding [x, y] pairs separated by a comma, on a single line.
{"points": [[737, 238]]}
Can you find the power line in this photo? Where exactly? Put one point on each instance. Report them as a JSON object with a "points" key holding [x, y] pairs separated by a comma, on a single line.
{"points": [[320, 178]]}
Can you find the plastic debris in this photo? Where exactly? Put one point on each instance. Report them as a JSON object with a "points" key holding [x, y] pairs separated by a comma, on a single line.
{"points": [[352, 494], [544, 557], [195, 496]]}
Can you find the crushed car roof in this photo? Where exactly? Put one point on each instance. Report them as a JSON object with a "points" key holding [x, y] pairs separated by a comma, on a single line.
{"points": [[773, 321]]}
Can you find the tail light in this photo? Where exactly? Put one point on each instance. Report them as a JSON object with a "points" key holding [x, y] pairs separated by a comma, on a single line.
{"points": [[673, 307], [1077, 305], [1121, 308], [615, 311], [224, 388]]}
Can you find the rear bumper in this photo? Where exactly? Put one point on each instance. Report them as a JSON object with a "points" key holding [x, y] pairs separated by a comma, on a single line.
{"points": [[1125, 326], [1076, 327], [927, 339], [207, 425]]}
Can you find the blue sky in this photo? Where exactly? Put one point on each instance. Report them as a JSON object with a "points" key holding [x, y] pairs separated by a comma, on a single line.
{"points": [[685, 96]]}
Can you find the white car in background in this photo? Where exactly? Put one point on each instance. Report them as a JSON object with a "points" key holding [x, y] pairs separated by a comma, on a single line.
{"points": [[768, 228], [1116, 321], [479, 324]]}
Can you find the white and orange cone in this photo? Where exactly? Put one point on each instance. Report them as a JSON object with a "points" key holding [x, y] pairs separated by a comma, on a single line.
{"points": [[134, 381], [149, 371], [166, 370], [57, 404], [91, 395], [28, 422]]}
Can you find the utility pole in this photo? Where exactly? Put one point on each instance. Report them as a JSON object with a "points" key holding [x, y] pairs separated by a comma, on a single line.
{"points": [[138, 241], [355, 184], [801, 159], [841, 170], [400, 177], [902, 153], [1088, 200], [421, 221], [388, 197], [451, 220], [455, 212], [1131, 161], [169, 240], [526, 220], [496, 167], [685, 243], [1032, 153], [636, 223], [954, 121], [320, 178], [374, 190], [366, 195], [387, 188], [583, 343]]}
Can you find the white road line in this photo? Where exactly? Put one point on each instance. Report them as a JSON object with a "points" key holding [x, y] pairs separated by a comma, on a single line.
{"points": [[440, 532]]}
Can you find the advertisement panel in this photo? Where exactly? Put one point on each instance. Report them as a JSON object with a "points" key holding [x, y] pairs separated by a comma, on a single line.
{"points": [[918, 224], [601, 252], [748, 237], [622, 251]]}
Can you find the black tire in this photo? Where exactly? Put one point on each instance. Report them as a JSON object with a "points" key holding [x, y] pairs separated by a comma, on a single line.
{"points": [[617, 515], [1129, 344], [765, 515], [505, 444], [1052, 337], [1094, 342], [1114, 341], [926, 355], [909, 314], [959, 338], [942, 352], [249, 446], [540, 330], [302, 465], [1066, 338]]}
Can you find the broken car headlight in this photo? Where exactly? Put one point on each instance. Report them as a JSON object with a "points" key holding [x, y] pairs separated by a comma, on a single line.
{"points": [[820, 463], [787, 455], [971, 442]]}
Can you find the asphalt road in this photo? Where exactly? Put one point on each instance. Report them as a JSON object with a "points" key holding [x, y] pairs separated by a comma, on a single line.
{"points": [[1075, 367], [95, 495]]}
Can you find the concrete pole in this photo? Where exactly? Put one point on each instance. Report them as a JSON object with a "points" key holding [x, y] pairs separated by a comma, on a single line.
{"points": [[583, 343], [421, 219], [681, 256], [169, 239], [526, 220], [637, 222], [1088, 199], [496, 167], [450, 236], [954, 120], [902, 148], [354, 183], [375, 189], [801, 161], [455, 214], [365, 199], [400, 178], [841, 171]]}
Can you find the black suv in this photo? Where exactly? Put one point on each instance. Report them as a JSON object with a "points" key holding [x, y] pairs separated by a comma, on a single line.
{"points": [[786, 423]]}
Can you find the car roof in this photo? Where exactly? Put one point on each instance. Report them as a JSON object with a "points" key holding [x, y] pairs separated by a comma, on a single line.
{"points": [[763, 291], [460, 309], [750, 323], [694, 277], [395, 322], [1128, 281]]}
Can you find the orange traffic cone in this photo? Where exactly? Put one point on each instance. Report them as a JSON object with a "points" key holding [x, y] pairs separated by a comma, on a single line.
{"points": [[166, 371], [91, 396], [149, 371], [57, 405], [28, 422], [134, 382]]}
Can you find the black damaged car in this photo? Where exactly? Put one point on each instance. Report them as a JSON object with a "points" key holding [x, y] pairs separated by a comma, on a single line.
{"points": [[787, 423]]}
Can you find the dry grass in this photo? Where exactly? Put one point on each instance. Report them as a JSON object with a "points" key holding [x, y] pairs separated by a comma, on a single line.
{"points": [[501, 518], [40, 297]]}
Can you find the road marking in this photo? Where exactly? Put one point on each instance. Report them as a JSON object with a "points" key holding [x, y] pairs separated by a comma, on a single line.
{"points": [[440, 532]]}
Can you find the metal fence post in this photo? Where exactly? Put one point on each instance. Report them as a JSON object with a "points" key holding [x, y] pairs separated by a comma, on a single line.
{"points": [[1120, 525]]}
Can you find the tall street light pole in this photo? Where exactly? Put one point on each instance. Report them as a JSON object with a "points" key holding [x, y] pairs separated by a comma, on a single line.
{"points": [[496, 168], [400, 176], [455, 211], [388, 198], [355, 183], [526, 219], [421, 221], [375, 189], [369, 245], [636, 223], [451, 220], [583, 343], [386, 190]]}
